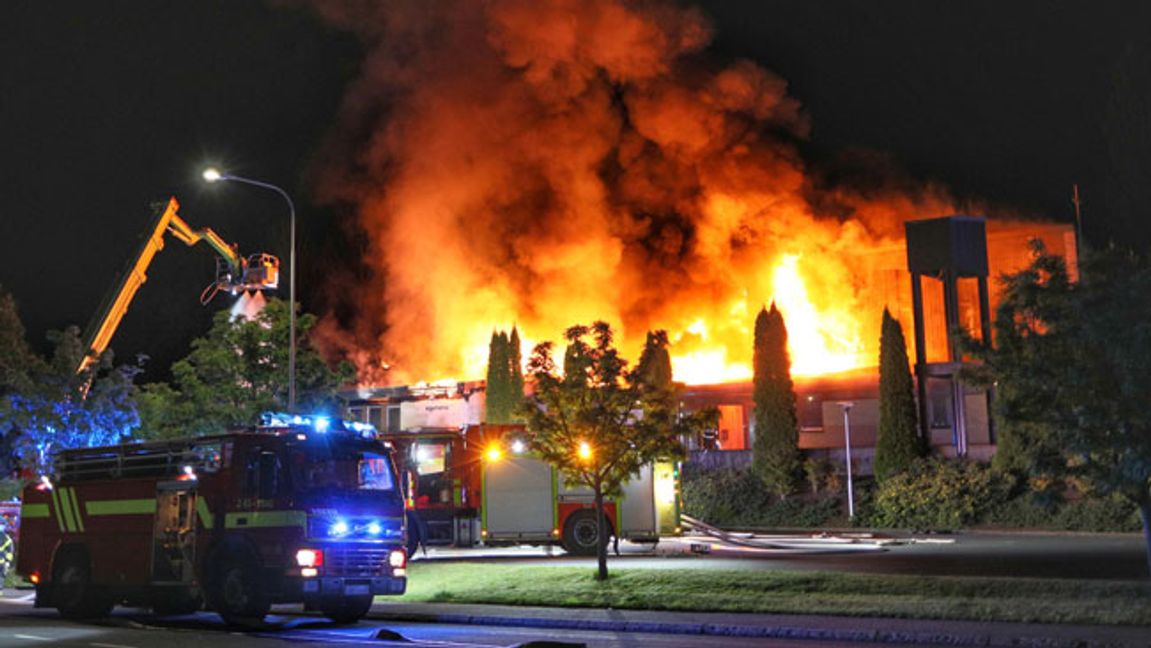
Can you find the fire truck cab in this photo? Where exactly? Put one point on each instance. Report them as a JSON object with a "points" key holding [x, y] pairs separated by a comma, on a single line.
{"points": [[298, 510]]}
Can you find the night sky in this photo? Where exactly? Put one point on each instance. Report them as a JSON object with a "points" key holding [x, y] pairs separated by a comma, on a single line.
{"points": [[106, 107]]}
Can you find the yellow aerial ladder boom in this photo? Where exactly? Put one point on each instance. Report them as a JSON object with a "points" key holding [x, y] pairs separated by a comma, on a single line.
{"points": [[234, 273]]}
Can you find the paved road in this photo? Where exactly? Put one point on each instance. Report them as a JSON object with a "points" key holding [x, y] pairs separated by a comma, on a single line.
{"points": [[23, 627], [1076, 556]]}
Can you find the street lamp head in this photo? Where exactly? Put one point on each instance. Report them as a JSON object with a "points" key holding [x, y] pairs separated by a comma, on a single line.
{"points": [[212, 174]]}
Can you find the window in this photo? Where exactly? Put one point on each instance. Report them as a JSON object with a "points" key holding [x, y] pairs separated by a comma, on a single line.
{"points": [[375, 472]]}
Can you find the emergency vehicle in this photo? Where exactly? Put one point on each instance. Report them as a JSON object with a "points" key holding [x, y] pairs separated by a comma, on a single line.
{"points": [[297, 510], [481, 485]]}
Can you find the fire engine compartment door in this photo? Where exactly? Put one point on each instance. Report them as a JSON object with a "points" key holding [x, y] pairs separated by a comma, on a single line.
{"points": [[637, 515], [518, 498], [174, 535]]}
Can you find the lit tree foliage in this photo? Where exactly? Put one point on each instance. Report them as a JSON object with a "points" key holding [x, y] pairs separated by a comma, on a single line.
{"points": [[238, 370], [776, 448], [596, 401], [1070, 363], [899, 442], [63, 409]]}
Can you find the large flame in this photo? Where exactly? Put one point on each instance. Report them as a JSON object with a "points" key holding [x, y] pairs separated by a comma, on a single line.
{"points": [[541, 163]]}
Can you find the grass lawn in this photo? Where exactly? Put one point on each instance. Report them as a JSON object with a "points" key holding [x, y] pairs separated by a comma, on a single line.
{"points": [[923, 597]]}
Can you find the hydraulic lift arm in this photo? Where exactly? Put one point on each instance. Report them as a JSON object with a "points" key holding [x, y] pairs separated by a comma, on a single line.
{"points": [[234, 273]]}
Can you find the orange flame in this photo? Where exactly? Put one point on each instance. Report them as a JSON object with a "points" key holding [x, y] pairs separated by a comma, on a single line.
{"points": [[584, 165]]}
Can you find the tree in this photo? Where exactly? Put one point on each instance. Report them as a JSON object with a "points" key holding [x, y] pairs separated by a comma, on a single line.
{"points": [[516, 381], [597, 422], [17, 361], [18, 365], [63, 409], [500, 400], [654, 367], [237, 371], [1070, 362], [899, 443], [776, 447]]}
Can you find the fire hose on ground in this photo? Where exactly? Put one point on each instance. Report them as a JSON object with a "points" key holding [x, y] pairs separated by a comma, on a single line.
{"points": [[819, 543]]}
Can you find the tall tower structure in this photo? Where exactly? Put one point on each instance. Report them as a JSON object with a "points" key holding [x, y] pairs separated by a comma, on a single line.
{"points": [[946, 250]]}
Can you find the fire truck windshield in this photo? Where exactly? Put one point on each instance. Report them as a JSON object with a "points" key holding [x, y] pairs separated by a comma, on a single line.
{"points": [[343, 467]]}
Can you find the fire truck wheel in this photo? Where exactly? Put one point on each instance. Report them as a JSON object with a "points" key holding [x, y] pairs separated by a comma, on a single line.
{"points": [[72, 589], [237, 595], [348, 610], [581, 537]]}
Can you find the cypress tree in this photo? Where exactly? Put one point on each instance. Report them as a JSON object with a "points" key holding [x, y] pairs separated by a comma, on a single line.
{"points": [[899, 442], [516, 373], [654, 367], [776, 447], [498, 388]]}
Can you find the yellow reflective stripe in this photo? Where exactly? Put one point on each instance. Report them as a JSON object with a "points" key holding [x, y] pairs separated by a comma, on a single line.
{"points": [[34, 511], [57, 509], [66, 509], [204, 513], [266, 519], [74, 503], [121, 507]]}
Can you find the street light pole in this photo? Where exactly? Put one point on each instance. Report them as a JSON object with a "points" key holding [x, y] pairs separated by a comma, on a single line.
{"points": [[846, 405], [213, 175]]}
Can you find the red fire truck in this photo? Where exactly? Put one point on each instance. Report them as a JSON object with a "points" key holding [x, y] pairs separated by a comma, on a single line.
{"points": [[298, 509], [479, 485]]}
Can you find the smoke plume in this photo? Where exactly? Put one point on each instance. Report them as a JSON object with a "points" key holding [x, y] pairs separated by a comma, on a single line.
{"points": [[550, 162]]}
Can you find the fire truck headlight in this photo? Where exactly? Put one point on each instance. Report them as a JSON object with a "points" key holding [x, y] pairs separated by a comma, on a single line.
{"points": [[374, 528], [310, 558], [494, 453], [339, 528], [518, 446], [397, 559]]}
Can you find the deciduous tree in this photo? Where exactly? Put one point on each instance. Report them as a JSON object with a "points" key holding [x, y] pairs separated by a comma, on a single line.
{"points": [[596, 421], [1070, 362], [237, 371], [63, 409]]}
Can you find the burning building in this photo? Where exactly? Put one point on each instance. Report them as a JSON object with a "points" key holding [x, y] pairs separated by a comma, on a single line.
{"points": [[952, 428], [545, 163]]}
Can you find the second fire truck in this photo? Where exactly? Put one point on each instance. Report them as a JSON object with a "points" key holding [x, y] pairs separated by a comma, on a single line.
{"points": [[299, 510], [479, 484]]}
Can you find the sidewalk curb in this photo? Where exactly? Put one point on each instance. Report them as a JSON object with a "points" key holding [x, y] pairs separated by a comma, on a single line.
{"points": [[750, 631]]}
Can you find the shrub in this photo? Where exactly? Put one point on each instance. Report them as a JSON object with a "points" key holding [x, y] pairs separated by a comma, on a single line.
{"points": [[1110, 513], [938, 494], [732, 497]]}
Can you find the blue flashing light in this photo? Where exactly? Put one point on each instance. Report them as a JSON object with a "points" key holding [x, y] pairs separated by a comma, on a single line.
{"points": [[374, 528], [321, 423], [339, 528]]}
